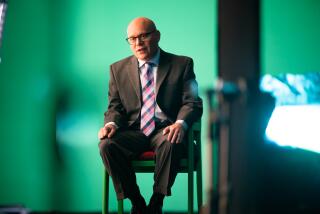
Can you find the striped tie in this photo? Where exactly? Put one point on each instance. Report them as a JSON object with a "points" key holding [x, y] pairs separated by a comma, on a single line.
{"points": [[147, 124]]}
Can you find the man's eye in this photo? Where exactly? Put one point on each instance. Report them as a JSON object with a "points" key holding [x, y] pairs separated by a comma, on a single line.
{"points": [[143, 36]]}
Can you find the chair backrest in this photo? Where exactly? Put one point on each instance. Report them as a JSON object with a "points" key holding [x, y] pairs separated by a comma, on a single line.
{"points": [[194, 138]]}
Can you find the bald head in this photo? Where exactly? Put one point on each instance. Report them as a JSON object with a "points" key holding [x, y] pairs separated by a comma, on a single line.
{"points": [[141, 23], [145, 37]]}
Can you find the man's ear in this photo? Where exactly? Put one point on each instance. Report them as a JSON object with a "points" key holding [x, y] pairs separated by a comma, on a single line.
{"points": [[158, 35]]}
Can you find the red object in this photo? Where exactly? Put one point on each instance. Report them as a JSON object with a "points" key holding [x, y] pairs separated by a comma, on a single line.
{"points": [[149, 155]]}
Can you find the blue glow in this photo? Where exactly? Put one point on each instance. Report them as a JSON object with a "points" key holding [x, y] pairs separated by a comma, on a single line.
{"points": [[296, 126]]}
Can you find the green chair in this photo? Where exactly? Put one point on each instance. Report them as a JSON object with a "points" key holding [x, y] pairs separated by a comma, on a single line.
{"points": [[188, 165]]}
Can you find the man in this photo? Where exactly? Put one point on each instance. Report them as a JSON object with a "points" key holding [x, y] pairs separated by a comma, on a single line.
{"points": [[153, 100]]}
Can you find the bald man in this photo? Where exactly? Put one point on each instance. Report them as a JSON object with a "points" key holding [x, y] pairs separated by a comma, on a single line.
{"points": [[153, 100]]}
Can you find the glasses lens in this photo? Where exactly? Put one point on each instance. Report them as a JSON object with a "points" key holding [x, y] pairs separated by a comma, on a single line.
{"points": [[130, 40], [141, 37]]}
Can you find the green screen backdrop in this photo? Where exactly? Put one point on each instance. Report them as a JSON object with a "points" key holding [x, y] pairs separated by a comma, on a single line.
{"points": [[54, 76]]}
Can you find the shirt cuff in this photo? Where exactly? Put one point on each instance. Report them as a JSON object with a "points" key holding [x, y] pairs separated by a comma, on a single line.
{"points": [[111, 123], [184, 124]]}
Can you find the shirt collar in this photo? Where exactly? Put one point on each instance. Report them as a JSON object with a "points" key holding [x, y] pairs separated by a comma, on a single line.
{"points": [[154, 60]]}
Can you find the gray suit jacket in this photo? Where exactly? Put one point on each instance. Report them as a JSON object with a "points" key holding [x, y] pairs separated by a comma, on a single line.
{"points": [[176, 87]]}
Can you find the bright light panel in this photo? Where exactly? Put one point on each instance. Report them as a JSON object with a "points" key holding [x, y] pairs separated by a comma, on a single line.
{"points": [[296, 126], [3, 7]]}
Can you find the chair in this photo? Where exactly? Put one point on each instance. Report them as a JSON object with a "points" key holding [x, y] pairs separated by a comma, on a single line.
{"points": [[188, 165]]}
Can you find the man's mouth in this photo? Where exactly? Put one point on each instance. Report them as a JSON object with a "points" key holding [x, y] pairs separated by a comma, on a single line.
{"points": [[141, 50]]}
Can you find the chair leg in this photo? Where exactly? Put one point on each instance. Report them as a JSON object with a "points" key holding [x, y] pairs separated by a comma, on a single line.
{"points": [[105, 193], [190, 192], [199, 186], [120, 206]]}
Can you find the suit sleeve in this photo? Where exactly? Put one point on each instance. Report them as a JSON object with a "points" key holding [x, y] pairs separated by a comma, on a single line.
{"points": [[116, 112], [191, 108]]}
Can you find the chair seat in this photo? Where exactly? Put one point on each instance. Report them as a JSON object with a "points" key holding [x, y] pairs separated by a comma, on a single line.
{"points": [[146, 163], [149, 155]]}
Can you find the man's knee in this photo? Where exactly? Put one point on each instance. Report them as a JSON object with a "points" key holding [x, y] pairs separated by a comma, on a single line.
{"points": [[167, 148], [166, 145], [175, 150], [106, 145]]}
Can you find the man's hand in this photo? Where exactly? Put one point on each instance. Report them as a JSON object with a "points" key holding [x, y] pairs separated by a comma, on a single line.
{"points": [[176, 133], [107, 130]]}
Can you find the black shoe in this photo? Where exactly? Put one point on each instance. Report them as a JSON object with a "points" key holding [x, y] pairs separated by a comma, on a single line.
{"points": [[155, 204], [139, 207], [154, 208], [138, 210]]}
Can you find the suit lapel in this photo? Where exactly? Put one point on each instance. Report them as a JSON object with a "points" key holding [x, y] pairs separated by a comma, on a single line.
{"points": [[163, 69], [133, 75]]}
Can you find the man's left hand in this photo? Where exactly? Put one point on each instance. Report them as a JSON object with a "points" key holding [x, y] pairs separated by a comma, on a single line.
{"points": [[175, 133]]}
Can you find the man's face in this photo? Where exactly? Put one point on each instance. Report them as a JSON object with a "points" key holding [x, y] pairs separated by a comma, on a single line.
{"points": [[143, 39]]}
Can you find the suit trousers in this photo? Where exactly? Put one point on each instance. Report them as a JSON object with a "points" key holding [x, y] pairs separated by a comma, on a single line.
{"points": [[126, 145]]}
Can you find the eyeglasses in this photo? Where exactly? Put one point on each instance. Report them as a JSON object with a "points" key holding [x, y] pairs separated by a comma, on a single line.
{"points": [[142, 37]]}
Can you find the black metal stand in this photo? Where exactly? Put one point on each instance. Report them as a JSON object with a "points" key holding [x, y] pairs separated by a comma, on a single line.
{"points": [[220, 104]]}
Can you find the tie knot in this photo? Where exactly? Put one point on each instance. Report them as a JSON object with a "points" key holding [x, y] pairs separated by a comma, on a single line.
{"points": [[148, 64], [147, 67]]}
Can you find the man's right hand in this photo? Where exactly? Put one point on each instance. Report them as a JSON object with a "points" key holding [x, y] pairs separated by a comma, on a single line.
{"points": [[107, 131]]}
